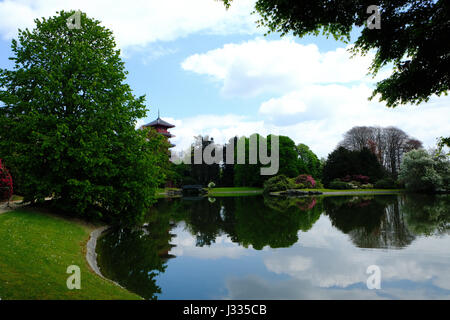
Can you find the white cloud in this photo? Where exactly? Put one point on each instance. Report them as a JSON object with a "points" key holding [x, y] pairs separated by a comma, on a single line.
{"points": [[319, 116], [223, 247], [262, 66], [309, 260], [138, 22]]}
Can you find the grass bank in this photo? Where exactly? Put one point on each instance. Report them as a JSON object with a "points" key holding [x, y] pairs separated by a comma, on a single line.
{"points": [[354, 190], [217, 192], [338, 192], [234, 191], [35, 250]]}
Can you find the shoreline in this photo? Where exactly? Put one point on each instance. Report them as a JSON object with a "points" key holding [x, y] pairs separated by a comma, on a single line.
{"points": [[341, 193], [91, 255]]}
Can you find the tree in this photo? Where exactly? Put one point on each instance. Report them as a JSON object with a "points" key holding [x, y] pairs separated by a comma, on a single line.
{"points": [[413, 37], [308, 162], [227, 168], [249, 174], [424, 172], [67, 122], [288, 157], [159, 146], [342, 162], [204, 173], [388, 144], [246, 174], [442, 143]]}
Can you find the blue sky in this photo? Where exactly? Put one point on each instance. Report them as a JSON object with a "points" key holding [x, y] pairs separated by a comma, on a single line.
{"points": [[211, 71]]}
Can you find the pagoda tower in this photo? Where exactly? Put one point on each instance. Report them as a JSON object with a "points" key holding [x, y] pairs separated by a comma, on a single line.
{"points": [[161, 127]]}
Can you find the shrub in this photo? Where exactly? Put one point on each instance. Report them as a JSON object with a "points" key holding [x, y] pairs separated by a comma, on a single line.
{"points": [[386, 183], [211, 185], [358, 178], [6, 183], [277, 183], [337, 184], [353, 185], [319, 184], [306, 180], [366, 186], [424, 172]]}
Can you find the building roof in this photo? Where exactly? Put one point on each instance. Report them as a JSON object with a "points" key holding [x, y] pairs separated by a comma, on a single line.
{"points": [[159, 122]]}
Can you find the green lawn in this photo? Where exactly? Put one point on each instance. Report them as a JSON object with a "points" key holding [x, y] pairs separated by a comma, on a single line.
{"points": [[234, 191], [35, 251], [352, 190], [338, 192]]}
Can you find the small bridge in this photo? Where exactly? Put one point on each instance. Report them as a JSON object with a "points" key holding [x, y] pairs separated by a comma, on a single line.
{"points": [[193, 189]]}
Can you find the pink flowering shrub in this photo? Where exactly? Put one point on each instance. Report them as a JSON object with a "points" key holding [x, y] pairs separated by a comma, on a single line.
{"points": [[306, 180], [6, 183], [356, 177], [307, 204]]}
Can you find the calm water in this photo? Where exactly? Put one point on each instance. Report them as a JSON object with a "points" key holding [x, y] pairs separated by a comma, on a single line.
{"points": [[273, 248]]}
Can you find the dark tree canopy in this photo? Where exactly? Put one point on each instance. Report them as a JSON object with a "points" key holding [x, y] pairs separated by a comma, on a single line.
{"points": [[413, 36], [342, 162]]}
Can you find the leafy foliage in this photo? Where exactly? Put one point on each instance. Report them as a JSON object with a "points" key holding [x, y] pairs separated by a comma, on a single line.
{"points": [[277, 183], [338, 184], [308, 162], [6, 183], [67, 124], [423, 172], [342, 162], [386, 183], [248, 175], [306, 180]]}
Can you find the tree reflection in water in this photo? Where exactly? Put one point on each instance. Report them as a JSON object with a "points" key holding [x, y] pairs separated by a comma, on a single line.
{"points": [[134, 257]]}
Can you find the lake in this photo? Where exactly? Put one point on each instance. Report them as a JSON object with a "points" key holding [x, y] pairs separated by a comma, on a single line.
{"points": [[259, 247]]}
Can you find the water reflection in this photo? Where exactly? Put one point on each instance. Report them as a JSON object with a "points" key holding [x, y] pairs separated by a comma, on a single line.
{"points": [[134, 257], [268, 238], [371, 222]]}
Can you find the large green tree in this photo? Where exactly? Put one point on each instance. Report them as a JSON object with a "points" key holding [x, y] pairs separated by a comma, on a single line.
{"points": [[413, 37], [308, 162], [250, 175], [67, 122]]}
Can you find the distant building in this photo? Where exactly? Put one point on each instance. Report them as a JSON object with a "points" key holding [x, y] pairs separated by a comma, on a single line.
{"points": [[161, 127]]}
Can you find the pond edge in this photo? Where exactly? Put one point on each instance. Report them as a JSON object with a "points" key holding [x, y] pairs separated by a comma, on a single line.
{"points": [[91, 254]]}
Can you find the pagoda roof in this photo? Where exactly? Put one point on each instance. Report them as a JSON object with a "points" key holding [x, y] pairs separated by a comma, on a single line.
{"points": [[159, 122]]}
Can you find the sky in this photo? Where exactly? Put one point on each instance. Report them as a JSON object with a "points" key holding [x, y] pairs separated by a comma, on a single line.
{"points": [[211, 71]]}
